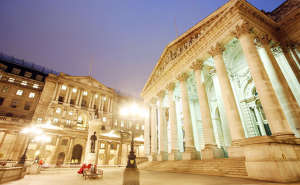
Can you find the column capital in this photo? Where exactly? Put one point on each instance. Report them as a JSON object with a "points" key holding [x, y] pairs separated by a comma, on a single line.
{"points": [[242, 29], [197, 65], [171, 86], [264, 39], [153, 101], [161, 95], [216, 50], [182, 77]]}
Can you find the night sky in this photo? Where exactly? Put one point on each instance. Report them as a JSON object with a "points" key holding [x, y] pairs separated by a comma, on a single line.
{"points": [[122, 38]]}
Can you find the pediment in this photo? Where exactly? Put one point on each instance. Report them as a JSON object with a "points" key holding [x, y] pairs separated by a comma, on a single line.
{"points": [[87, 81]]}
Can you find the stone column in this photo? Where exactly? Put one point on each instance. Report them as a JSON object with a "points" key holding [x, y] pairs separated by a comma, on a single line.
{"points": [[108, 104], [174, 155], [147, 133], [80, 98], [55, 91], [3, 139], [291, 102], [119, 162], [163, 135], [189, 150], [70, 95], [90, 100], [77, 97], [53, 158], [97, 152], [293, 49], [210, 149], [153, 130], [290, 60], [69, 154], [67, 95], [270, 103], [58, 92], [93, 101], [107, 153], [231, 109]]}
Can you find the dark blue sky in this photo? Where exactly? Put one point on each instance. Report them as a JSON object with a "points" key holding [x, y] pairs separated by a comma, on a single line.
{"points": [[123, 38]]}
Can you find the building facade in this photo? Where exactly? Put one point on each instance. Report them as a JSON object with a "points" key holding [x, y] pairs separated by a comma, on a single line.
{"points": [[229, 87], [67, 108]]}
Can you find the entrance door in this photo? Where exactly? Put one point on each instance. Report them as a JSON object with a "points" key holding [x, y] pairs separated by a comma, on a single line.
{"points": [[76, 154], [60, 159]]}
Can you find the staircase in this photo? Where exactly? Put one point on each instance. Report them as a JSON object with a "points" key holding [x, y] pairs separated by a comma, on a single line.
{"points": [[218, 167]]}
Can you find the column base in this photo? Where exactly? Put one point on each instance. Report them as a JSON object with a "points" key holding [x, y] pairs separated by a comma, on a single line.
{"points": [[174, 155], [211, 152], [153, 157], [189, 154], [273, 158], [162, 156], [235, 150]]}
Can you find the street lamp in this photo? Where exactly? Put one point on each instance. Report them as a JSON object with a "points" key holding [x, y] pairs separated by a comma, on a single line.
{"points": [[32, 132], [131, 173]]}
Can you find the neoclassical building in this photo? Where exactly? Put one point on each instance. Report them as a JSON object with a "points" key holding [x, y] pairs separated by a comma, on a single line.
{"points": [[69, 109], [229, 88]]}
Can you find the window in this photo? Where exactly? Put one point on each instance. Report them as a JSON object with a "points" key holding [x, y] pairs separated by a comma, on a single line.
{"points": [[12, 80], [70, 113], [35, 86], [122, 123], [85, 93], [24, 83], [58, 110], [96, 96], [27, 106], [5, 89], [16, 71], [137, 126], [19, 92], [104, 98], [1, 100], [39, 119], [39, 77], [28, 74], [116, 123], [64, 142], [72, 102], [63, 87], [55, 120], [68, 122], [142, 127], [74, 90], [102, 145], [102, 127], [104, 119], [61, 99], [14, 104], [83, 103], [31, 95]]}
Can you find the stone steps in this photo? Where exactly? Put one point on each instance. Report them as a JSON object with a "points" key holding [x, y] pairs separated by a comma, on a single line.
{"points": [[219, 167]]}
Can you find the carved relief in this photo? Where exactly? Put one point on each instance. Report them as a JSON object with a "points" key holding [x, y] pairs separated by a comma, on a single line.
{"points": [[182, 77], [197, 65], [217, 50]]}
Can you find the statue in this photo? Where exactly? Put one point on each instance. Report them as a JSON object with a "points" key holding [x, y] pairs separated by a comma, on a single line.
{"points": [[93, 142]]}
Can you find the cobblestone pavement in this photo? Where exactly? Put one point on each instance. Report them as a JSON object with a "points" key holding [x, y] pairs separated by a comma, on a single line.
{"points": [[113, 176]]}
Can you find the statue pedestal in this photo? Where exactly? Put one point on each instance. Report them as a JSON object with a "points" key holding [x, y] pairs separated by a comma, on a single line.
{"points": [[90, 158]]}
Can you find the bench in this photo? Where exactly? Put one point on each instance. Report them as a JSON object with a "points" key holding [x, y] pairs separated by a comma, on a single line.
{"points": [[87, 173]]}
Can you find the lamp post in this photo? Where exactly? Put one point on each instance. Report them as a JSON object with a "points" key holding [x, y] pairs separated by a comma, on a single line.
{"points": [[32, 132], [131, 173]]}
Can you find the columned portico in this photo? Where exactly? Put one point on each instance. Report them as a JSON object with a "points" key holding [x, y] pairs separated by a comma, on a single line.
{"points": [[174, 155], [189, 148]]}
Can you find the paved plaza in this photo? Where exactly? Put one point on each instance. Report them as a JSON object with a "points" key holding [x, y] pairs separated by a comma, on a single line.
{"points": [[113, 176]]}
